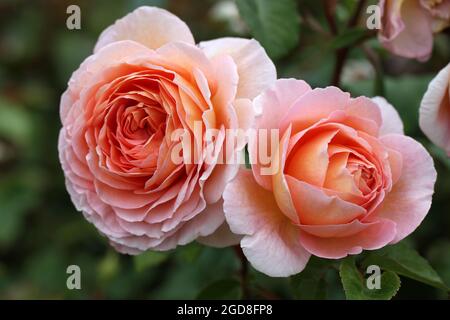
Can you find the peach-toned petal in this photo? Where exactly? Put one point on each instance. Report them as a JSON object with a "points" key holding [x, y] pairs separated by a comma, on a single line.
{"points": [[222, 237], [309, 161], [315, 207], [363, 107], [434, 112], [272, 105], [376, 235], [280, 186], [314, 106], [408, 202], [203, 224], [256, 71], [392, 123], [440, 10], [153, 27], [270, 241], [335, 230], [111, 54]]}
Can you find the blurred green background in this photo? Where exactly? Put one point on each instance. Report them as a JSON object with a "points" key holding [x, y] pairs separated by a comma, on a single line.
{"points": [[41, 233]]}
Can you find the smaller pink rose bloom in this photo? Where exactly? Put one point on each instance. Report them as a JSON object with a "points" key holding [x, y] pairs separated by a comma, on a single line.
{"points": [[408, 26], [434, 112], [146, 81], [344, 179]]}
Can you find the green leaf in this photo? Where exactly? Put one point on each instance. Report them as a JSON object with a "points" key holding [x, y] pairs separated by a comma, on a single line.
{"points": [[310, 284], [109, 266], [404, 93], [348, 38], [404, 260], [355, 286], [190, 252], [16, 198], [221, 289], [149, 259], [440, 155], [276, 24], [439, 257], [15, 123]]}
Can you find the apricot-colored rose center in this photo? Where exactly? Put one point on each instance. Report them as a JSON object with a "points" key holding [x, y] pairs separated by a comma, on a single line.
{"points": [[338, 160], [130, 122]]}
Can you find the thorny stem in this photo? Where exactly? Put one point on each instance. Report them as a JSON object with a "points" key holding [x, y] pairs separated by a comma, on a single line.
{"points": [[330, 8], [243, 273], [374, 59], [342, 54]]}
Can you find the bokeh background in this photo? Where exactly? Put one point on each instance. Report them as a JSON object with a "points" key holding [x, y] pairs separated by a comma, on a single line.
{"points": [[41, 233]]}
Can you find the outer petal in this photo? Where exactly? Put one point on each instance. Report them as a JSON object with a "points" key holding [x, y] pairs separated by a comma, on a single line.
{"points": [[410, 198], [271, 242], [434, 112], [275, 102], [313, 106], [222, 237], [272, 105], [411, 35], [113, 53], [150, 26], [392, 123], [374, 236], [256, 71]]}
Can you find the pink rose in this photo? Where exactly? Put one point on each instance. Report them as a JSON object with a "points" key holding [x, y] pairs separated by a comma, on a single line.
{"points": [[408, 25], [146, 80], [434, 112], [346, 179]]}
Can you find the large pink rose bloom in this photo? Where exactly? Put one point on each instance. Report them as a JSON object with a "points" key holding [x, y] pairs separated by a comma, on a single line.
{"points": [[346, 179], [146, 79], [408, 25], [434, 112]]}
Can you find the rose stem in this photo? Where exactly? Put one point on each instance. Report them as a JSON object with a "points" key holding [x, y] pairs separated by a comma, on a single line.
{"points": [[342, 53], [243, 271]]}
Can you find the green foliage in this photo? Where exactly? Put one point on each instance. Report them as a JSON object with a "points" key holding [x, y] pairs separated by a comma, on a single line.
{"points": [[311, 283], [16, 199], [149, 259], [440, 259], [40, 231], [404, 93], [349, 38], [402, 259], [275, 24], [15, 123], [355, 286], [228, 289]]}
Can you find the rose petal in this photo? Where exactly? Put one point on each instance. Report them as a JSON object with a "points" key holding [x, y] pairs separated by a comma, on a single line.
{"points": [[222, 237], [256, 71], [392, 123], [315, 207], [270, 241], [411, 33], [376, 235], [434, 112], [153, 27], [313, 106], [408, 202], [273, 104]]}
